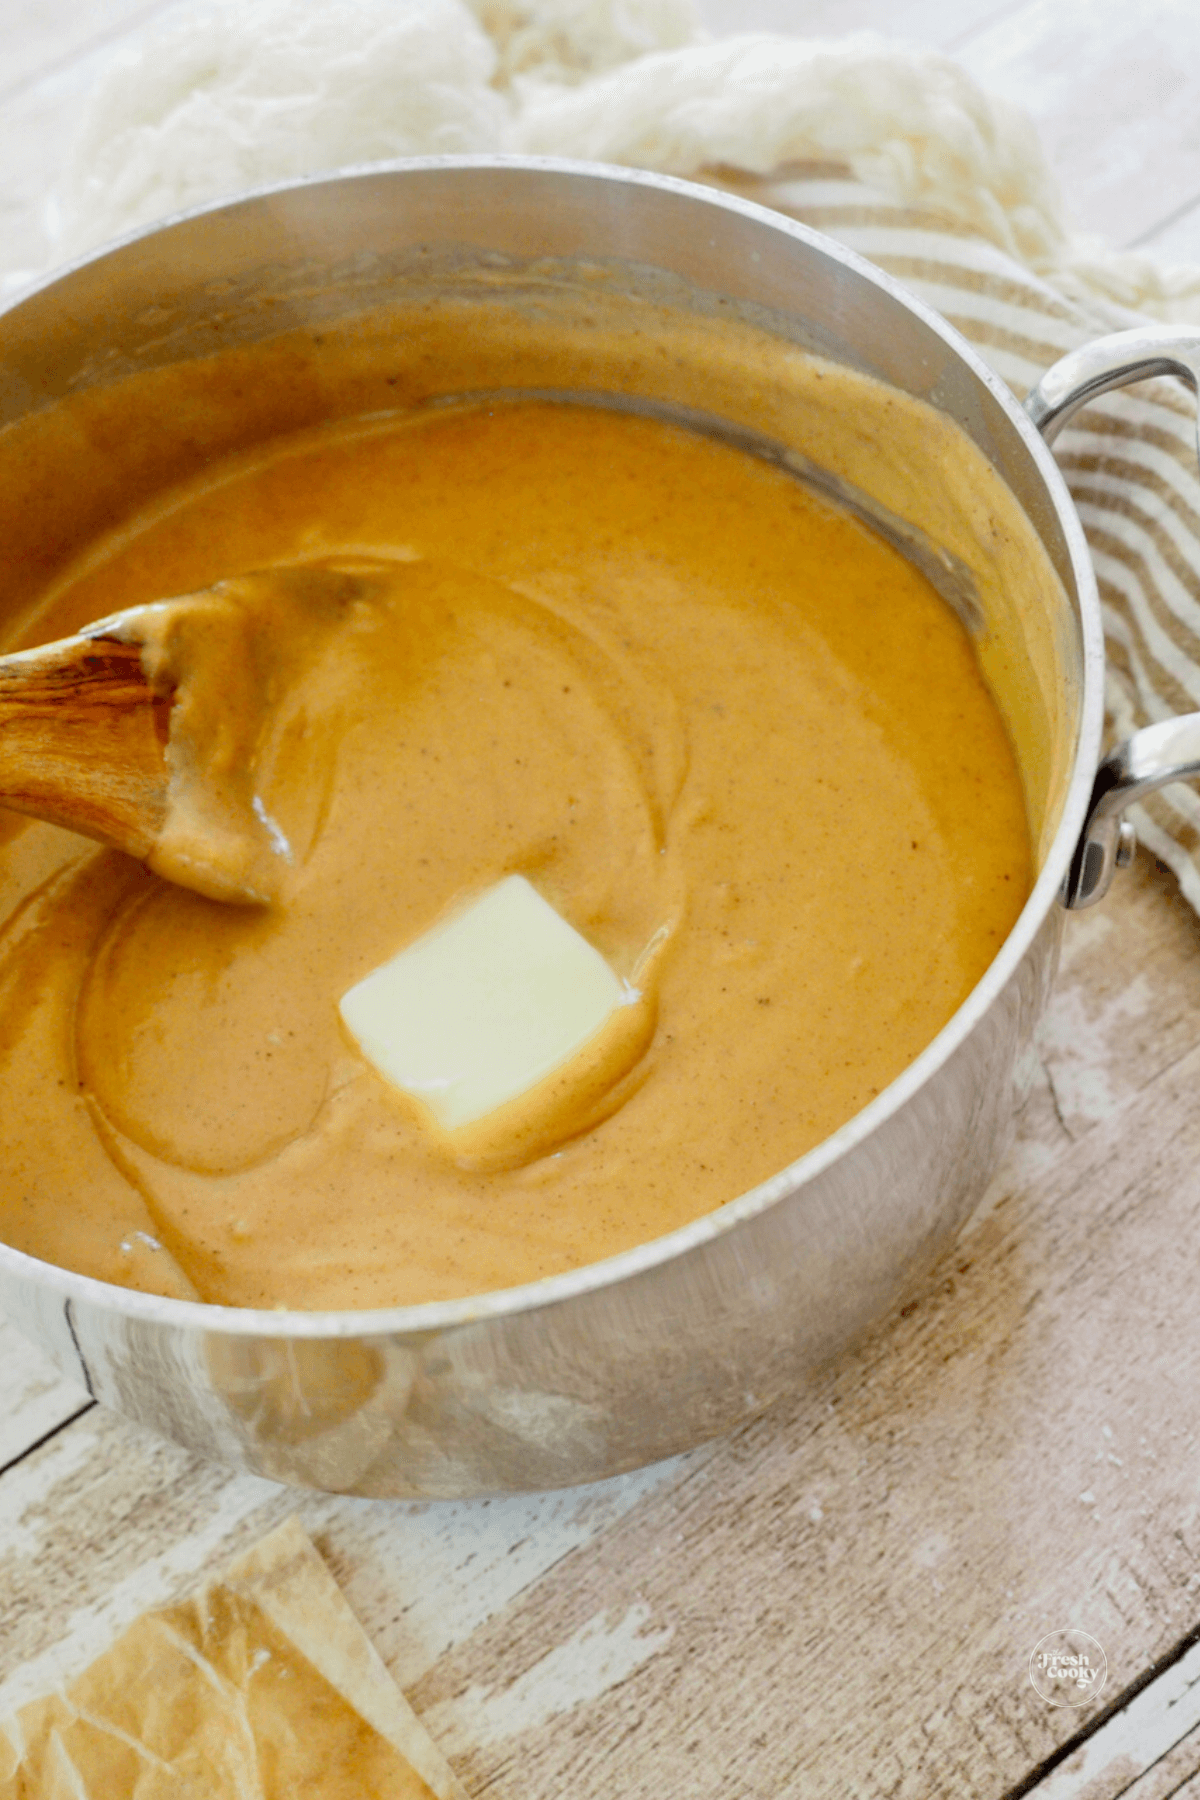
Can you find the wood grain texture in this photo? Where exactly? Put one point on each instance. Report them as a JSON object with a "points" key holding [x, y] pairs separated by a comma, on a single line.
{"points": [[1177, 238], [36, 40], [51, 56], [1145, 1751], [1111, 88], [105, 1520], [35, 1400], [931, 23], [1127, 1000], [82, 741], [1175, 1777]]}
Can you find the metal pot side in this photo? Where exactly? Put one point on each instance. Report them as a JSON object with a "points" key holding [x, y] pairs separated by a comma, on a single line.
{"points": [[624, 1362]]}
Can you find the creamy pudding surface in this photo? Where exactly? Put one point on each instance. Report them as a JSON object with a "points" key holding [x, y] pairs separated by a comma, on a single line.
{"points": [[733, 737]]}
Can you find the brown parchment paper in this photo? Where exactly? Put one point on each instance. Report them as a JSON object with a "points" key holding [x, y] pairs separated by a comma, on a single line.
{"points": [[262, 1686]]}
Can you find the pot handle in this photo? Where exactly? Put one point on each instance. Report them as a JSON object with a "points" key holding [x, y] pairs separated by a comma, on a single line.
{"points": [[1158, 754]]}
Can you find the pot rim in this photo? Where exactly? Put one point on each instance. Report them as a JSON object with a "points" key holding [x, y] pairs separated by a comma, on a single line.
{"points": [[437, 1316]]}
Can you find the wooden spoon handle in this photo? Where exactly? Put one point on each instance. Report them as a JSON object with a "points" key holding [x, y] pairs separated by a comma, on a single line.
{"points": [[82, 740]]}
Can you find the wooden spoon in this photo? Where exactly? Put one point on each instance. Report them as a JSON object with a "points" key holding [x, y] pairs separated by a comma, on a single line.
{"points": [[83, 739], [156, 731]]}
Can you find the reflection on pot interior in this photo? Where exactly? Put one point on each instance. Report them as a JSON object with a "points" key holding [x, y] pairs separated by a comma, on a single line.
{"points": [[728, 734]]}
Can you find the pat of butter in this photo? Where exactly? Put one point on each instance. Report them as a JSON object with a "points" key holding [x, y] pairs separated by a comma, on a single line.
{"points": [[485, 1005]]}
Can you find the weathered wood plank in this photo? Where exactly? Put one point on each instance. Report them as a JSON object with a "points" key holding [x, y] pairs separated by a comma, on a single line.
{"points": [[36, 39], [930, 23], [105, 1520], [1143, 1752], [51, 57], [34, 136], [1111, 88], [1128, 998], [1190, 1790], [1177, 239], [34, 1398]]}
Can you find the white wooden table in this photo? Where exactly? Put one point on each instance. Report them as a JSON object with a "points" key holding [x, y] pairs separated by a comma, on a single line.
{"points": [[842, 1599]]}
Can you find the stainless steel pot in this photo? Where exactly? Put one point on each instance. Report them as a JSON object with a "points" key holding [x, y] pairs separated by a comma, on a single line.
{"points": [[629, 1360]]}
